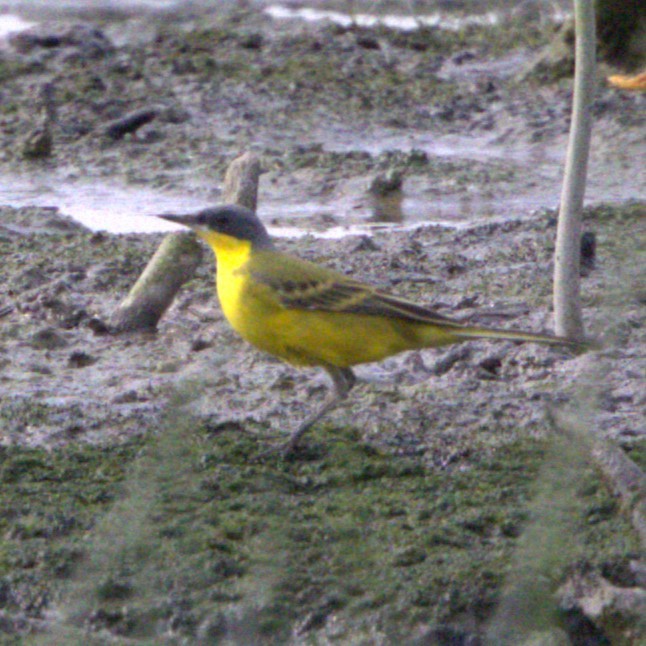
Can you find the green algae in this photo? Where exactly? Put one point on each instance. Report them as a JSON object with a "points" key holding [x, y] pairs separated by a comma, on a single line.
{"points": [[191, 529], [48, 501]]}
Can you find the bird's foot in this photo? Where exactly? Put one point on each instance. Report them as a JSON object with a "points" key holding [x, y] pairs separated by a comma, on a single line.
{"points": [[291, 449], [285, 450]]}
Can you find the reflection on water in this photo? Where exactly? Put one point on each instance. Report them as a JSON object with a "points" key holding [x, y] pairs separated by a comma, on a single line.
{"points": [[402, 23], [120, 209], [97, 205], [10, 24], [388, 208], [405, 22]]}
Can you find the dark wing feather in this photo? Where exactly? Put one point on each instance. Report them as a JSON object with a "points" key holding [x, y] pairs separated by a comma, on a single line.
{"points": [[383, 304], [302, 285]]}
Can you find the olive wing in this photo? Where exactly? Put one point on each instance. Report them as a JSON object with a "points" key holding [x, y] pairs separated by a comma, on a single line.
{"points": [[299, 284]]}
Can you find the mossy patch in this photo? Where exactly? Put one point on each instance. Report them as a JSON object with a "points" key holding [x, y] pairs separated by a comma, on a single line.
{"points": [[49, 500], [193, 531]]}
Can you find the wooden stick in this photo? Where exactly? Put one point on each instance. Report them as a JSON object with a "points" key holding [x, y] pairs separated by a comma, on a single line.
{"points": [[241, 181], [174, 262]]}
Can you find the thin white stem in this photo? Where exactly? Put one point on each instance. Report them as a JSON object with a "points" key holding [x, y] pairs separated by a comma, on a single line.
{"points": [[567, 298]]}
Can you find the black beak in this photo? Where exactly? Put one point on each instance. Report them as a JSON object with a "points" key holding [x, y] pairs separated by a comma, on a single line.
{"points": [[189, 221]]}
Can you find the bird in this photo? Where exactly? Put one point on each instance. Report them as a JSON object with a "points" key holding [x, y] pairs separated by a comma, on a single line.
{"points": [[309, 315]]}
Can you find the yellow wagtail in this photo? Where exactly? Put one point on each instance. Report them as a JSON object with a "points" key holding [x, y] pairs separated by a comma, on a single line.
{"points": [[309, 315]]}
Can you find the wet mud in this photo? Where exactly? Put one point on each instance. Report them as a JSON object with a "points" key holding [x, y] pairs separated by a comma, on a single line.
{"points": [[439, 499]]}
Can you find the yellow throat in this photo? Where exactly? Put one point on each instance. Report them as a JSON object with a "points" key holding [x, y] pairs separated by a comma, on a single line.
{"points": [[231, 255]]}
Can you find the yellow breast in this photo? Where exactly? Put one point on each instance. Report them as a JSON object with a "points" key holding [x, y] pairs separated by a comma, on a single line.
{"points": [[232, 255], [250, 308]]}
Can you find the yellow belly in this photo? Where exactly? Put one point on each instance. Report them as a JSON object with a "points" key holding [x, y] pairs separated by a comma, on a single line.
{"points": [[337, 339], [309, 338]]}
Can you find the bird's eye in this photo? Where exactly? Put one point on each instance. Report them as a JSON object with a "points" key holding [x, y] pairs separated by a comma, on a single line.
{"points": [[221, 222]]}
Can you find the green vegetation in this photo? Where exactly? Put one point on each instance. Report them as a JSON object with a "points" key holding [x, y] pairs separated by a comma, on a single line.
{"points": [[186, 530], [49, 500]]}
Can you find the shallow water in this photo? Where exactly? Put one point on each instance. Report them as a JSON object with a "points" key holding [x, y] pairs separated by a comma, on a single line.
{"points": [[116, 207], [99, 205], [402, 22], [10, 23]]}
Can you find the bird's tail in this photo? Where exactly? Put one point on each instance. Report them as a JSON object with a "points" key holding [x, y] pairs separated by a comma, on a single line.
{"points": [[465, 332]]}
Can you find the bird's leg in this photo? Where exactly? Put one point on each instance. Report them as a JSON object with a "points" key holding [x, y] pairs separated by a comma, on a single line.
{"points": [[343, 379]]}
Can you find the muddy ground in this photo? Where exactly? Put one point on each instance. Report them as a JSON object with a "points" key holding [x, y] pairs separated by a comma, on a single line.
{"points": [[439, 505]]}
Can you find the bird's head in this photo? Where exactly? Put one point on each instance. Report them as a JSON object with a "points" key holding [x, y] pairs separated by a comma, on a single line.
{"points": [[225, 226]]}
